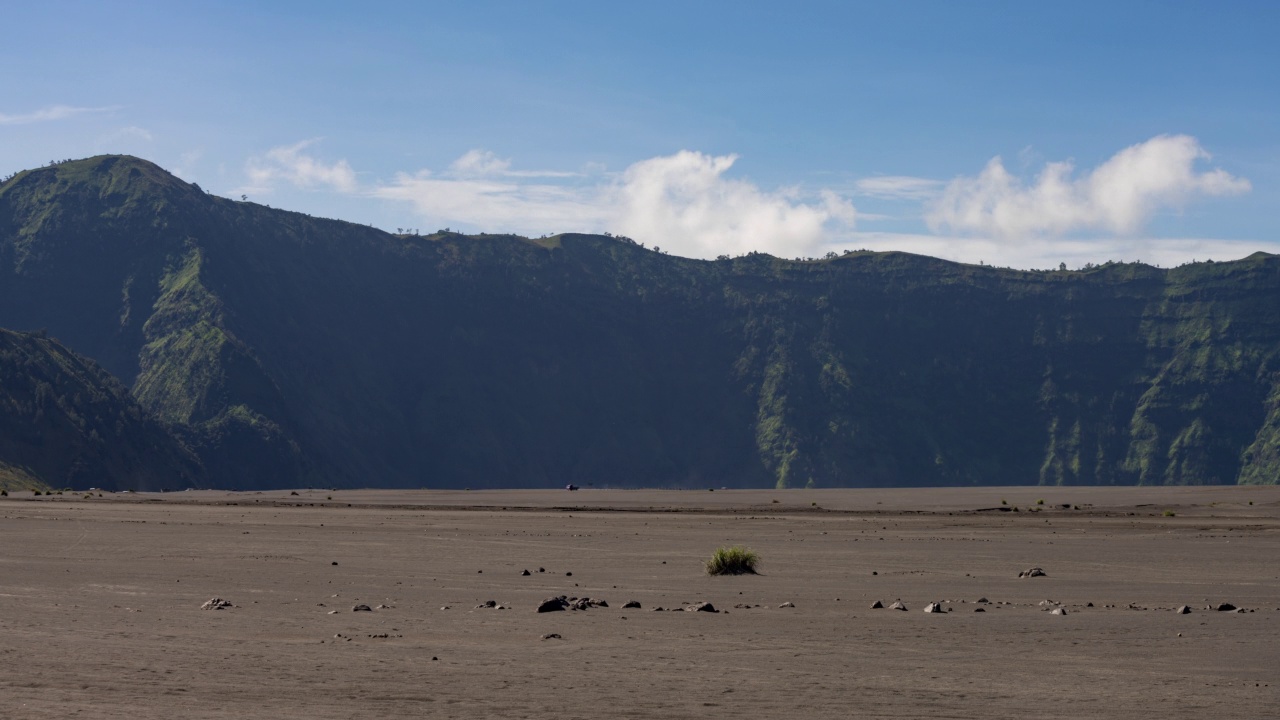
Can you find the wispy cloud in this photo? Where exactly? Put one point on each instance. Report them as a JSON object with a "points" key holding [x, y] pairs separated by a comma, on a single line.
{"points": [[1118, 196], [290, 164], [899, 187], [51, 113], [126, 135], [682, 202]]}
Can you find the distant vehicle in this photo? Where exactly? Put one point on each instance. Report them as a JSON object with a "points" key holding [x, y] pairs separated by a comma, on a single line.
{"points": [[570, 486]]}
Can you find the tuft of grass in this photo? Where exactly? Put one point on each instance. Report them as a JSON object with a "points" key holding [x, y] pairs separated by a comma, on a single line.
{"points": [[1003, 501], [4, 493], [1040, 501], [735, 560], [1169, 513]]}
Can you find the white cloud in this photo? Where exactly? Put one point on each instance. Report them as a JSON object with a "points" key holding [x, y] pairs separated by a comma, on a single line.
{"points": [[51, 113], [681, 202], [478, 163], [899, 187], [685, 203], [290, 164], [1118, 196]]}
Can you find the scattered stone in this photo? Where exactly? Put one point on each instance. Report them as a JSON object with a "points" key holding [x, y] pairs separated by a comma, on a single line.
{"points": [[897, 605], [333, 612], [978, 609], [787, 604], [383, 607], [554, 604], [933, 607], [361, 608], [1058, 611], [877, 605], [334, 563], [659, 609], [631, 604], [216, 603], [982, 601], [444, 607], [702, 607], [542, 569], [568, 574], [1088, 604], [1225, 607], [1032, 572], [1183, 610], [487, 605], [552, 636]]}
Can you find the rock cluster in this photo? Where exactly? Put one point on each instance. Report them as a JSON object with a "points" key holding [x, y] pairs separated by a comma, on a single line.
{"points": [[216, 603]]}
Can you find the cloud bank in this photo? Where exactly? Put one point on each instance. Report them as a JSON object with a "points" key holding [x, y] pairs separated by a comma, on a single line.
{"points": [[1118, 196], [689, 204], [683, 203]]}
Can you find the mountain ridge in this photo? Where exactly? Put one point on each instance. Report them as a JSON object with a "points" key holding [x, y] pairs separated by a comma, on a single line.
{"points": [[289, 350]]}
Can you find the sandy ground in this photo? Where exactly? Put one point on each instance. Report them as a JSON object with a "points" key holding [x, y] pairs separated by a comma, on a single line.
{"points": [[100, 604]]}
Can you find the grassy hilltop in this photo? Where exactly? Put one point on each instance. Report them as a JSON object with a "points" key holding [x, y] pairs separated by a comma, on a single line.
{"points": [[290, 350]]}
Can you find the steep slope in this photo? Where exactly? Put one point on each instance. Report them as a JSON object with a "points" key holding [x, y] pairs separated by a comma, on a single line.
{"points": [[64, 422], [293, 350]]}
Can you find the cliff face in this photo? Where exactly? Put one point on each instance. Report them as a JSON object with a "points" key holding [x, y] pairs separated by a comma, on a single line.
{"points": [[290, 350]]}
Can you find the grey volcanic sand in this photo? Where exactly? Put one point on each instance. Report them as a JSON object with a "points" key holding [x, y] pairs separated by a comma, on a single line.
{"points": [[100, 604]]}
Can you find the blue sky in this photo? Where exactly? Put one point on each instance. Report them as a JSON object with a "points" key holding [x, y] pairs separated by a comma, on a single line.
{"points": [[1014, 133]]}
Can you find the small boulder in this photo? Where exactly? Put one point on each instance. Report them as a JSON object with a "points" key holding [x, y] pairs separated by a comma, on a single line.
{"points": [[979, 609], [897, 605], [787, 604], [1032, 572], [877, 605], [551, 636], [525, 573], [361, 608], [553, 604], [702, 607], [216, 603], [1058, 611], [1224, 607], [487, 605], [1183, 610], [631, 604], [933, 607]]}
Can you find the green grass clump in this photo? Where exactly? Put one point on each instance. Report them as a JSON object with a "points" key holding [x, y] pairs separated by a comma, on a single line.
{"points": [[1170, 513], [1040, 501], [736, 560]]}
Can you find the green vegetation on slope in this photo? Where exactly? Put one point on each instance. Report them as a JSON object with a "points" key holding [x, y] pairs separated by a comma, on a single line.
{"points": [[66, 422], [292, 350]]}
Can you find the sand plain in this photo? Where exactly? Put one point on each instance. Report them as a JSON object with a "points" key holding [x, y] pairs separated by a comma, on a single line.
{"points": [[100, 604]]}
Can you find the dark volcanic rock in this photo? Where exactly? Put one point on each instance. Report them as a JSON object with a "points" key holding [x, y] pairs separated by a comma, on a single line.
{"points": [[702, 607], [877, 605], [1224, 607], [361, 608], [554, 604], [631, 604]]}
